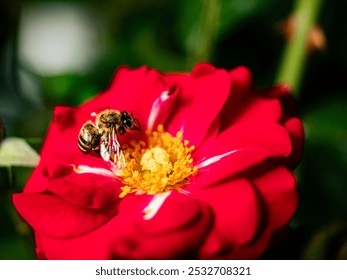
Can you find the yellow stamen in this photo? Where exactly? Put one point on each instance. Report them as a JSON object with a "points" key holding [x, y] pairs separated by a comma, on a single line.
{"points": [[166, 164]]}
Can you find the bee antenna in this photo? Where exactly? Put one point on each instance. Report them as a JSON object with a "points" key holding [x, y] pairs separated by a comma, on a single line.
{"points": [[137, 125]]}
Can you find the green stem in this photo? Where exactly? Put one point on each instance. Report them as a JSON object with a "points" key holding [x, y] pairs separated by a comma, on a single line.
{"points": [[10, 175], [293, 60], [206, 33]]}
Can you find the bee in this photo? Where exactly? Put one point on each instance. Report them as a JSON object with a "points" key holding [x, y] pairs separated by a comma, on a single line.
{"points": [[102, 137]]}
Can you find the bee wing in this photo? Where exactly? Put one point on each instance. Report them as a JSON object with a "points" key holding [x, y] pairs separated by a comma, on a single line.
{"points": [[119, 158], [105, 148], [111, 149]]}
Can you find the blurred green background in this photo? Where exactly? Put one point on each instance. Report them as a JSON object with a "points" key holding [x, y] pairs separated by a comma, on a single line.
{"points": [[64, 52]]}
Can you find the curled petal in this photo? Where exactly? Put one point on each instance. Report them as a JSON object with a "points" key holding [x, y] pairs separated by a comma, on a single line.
{"points": [[162, 108]]}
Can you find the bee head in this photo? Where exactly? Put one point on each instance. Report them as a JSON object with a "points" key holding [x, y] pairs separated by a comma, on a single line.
{"points": [[128, 122]]}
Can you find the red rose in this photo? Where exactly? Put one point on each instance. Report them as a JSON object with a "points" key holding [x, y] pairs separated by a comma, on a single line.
{"points": [[220, 195]]}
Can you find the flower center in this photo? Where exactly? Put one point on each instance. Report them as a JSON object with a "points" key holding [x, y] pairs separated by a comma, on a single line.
{"points": [[166, 164]]}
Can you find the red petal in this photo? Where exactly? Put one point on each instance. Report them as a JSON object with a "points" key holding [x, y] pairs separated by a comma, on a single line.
{"points": [[227, 167], [40, 253], [163, 108], [253, 142], [50, 216], [245, 104], [168, 218], [121, 238], [55, 160], [241, 79], [124, 238], [265, 135], [84, 247], [241, 89], [203, 69], [198, 92], [87, 190], [63, 132], [215, 245], [277, 193], [278, 201], [277, 190], [252, 134], [288, 102], [256, 108], [37, 182], [180, 244], [176, 231], [296, 133], [248, 251], [235, 208]]}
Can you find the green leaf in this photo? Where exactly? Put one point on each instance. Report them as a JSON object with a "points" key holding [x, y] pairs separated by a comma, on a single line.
{"points": [[16, 152]]}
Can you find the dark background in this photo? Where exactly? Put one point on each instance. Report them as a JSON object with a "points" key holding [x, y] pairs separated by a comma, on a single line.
{"points": [[90, 39]]}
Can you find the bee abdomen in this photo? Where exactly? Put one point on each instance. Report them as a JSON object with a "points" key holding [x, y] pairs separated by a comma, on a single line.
{"points": [[84, 146], [88, 138]]}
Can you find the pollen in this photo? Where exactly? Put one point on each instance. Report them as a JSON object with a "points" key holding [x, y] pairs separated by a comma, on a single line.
{"points": [[165, 164]]}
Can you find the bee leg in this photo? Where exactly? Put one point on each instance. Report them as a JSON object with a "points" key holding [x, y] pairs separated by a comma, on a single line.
{"points": [[137, 125]]}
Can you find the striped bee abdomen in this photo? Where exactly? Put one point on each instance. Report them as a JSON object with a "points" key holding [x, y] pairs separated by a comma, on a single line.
{"points": [[88, 138]]}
